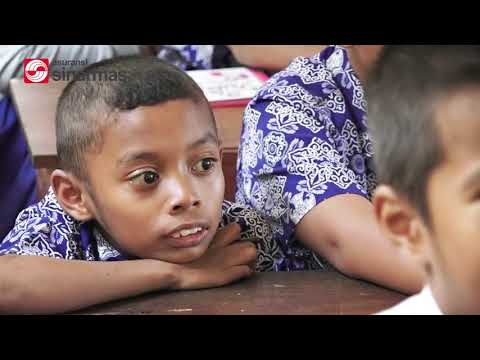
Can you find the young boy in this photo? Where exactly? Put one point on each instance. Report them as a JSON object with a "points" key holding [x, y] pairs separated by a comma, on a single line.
{"points": [[424, 106], [140, 178]]}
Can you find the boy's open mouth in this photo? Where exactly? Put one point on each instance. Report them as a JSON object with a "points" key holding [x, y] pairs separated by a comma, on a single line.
{"points": [[187, 235]]}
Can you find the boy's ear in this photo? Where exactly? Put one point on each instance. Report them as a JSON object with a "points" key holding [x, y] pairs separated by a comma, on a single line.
{"points": [[71, 195], [399, 221]]}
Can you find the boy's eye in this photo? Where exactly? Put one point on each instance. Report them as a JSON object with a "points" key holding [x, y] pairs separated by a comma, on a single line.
{"points": [[150, 177], [204, 165], [145, 178]]}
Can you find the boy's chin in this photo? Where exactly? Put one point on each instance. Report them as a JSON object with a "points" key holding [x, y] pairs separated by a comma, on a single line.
{"points": [[184, 256]]}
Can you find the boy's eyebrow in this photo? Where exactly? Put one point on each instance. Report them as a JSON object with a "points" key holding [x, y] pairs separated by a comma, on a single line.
{"points": [[209, 137], [134, 156]]}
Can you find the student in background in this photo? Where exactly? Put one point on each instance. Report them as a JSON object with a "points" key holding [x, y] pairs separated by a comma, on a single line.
{"points": [[269, 58], [272, 58], [424, 106]]}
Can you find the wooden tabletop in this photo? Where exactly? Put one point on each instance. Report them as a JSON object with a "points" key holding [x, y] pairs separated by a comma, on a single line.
{"points": [[274, 293]]}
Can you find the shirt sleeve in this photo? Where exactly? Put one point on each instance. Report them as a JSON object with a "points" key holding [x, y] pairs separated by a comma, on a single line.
{"points": [[34, 236], [299, 147], [44, 229]]}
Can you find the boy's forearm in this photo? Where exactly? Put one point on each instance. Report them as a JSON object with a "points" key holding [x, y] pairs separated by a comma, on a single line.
{"points": [[374, 259], [41, 285], [356, 246]]}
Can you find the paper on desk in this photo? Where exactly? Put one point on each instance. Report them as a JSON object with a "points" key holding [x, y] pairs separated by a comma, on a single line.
{"points": [[230, 84]]}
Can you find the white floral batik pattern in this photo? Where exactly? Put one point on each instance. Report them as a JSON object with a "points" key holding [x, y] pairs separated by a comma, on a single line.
{"points": [[304, 139]]}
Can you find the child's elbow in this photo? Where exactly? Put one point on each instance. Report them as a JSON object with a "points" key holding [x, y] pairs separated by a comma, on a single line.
{"points": [[344, 262], [408, 279]]}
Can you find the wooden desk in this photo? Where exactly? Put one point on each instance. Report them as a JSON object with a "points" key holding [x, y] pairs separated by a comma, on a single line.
{"points": [[36, 106], [284, 293]]}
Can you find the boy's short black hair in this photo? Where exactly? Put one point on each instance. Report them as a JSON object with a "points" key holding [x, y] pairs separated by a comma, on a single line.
{"points": [[402, 90], [118, 84]]}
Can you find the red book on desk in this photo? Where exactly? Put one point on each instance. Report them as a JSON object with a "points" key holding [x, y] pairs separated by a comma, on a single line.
{"points": [[229, 87]]}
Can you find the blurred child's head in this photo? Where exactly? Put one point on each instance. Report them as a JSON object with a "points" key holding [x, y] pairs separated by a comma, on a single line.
{"points": [[140, 155], [424, 114]]}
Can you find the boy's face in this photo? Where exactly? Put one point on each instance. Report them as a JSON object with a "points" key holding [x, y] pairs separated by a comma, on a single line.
{"points": [[453, 197], [448, 248], [157, 184]]}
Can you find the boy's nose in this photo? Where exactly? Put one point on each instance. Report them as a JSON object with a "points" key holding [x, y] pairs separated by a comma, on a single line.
{"points": [[183, 196]]}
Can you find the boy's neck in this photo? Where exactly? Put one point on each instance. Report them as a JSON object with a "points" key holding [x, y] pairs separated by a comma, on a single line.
{"points": [[99, 232]]}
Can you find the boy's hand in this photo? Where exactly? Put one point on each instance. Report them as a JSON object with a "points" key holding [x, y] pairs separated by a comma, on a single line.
{"points": [[225, 261]]}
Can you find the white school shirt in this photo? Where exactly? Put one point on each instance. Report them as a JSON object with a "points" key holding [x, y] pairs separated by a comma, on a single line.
{"points": [[422, 303]]}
